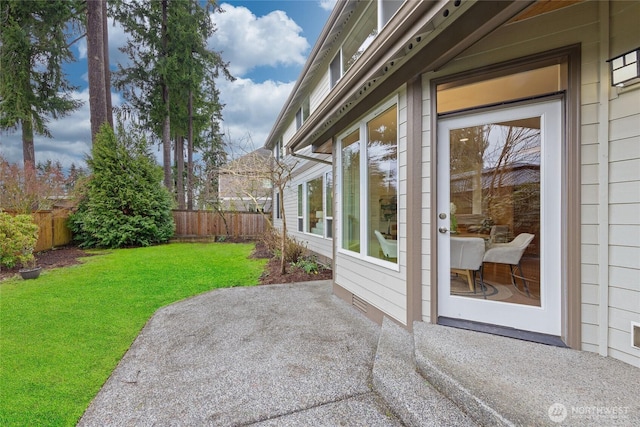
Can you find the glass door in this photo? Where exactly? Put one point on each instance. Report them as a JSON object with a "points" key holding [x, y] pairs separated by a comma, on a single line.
{"points": [[499, 216]]}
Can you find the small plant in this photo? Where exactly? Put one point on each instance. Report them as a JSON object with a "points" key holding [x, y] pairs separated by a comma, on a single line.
{"points": [[293, 250], [18, 238], [308, 264]]}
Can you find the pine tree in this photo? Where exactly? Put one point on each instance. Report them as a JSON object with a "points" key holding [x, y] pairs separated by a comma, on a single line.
{"points": [[33, 87], [125, 203]]}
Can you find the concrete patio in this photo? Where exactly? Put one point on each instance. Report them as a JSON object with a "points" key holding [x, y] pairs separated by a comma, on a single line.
{"points": [[297, 355]]}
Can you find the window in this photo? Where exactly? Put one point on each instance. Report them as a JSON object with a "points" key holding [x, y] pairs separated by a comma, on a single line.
{"points": [[315, 213], [300, 210], [351, 191], [302, 114], [278, 213], [374, 18], [360, 37], [335, 70], [328, 205], [369, 179], [279, 150], [312, 206], [387, 8]]}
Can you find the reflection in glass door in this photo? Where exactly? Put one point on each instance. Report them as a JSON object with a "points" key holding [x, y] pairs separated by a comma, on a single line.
{"points": [[499, 216], [495, 198]]}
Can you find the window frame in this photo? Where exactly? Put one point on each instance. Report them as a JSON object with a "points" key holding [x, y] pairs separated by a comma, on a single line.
{"points": [[303, 207], [361, 125]]}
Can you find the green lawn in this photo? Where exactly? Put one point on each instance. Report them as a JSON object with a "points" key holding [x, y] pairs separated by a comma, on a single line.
{"points": [[62, 334]]}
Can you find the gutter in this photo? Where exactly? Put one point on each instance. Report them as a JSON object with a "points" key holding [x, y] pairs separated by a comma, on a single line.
{"points": [[336, 14], [312, 159], [438, 31]]}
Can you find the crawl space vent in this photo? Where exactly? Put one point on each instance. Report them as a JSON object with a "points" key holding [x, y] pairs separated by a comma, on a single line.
{"points": [[359, 303]]}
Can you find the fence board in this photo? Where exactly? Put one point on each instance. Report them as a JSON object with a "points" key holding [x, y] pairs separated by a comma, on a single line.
{"points": [[211, 224], [52, 229]]}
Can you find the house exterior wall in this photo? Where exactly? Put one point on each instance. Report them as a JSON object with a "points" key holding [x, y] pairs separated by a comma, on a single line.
{"points": [[608, 169], [610, 190], [304, 172], [319, 92], [379, 286], [623, 208]]}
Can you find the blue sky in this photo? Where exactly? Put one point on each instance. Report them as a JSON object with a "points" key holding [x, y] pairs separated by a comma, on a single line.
{"points": [[266, 44]]}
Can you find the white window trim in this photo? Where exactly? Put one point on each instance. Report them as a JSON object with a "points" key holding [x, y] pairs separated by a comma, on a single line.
{"points": [[364, 195], [305, 209]]}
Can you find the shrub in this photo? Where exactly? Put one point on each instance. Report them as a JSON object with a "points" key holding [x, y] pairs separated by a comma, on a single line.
{"points": [[124, 203], [293, 250], [18, 238], [308, 264]]}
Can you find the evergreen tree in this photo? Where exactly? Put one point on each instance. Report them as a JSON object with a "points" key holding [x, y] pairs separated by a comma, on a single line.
{"points": [[125, 203], [170, 79], [33, 87]]}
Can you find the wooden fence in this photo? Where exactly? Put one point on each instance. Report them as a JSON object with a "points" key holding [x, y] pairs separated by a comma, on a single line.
{"points": [[209, 224], [53, 231]]}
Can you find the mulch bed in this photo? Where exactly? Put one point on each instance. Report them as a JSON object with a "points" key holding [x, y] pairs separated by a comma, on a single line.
{"points": [[60, 257], [69, 255]]}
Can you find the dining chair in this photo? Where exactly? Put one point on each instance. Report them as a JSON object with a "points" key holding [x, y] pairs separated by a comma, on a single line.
{"points": [[511, 254]]}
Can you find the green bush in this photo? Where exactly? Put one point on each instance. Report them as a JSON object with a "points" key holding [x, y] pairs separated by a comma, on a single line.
{"points": [[308, 264], [18, 238], [124, 203]]}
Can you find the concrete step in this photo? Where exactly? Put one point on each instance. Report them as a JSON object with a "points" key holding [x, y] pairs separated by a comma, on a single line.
{"points": [[505, 381], [410, 397]]}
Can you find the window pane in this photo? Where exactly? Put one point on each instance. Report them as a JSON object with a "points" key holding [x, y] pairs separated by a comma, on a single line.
{"points": [[328, 194], [351, 192], [360, 37], [328, 209], [382, 171], [315, 222], [495, 194], [506, 88], [335, 71], [300, 220]]}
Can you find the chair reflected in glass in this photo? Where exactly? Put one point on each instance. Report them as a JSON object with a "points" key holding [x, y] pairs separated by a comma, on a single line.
{"points": [[511, 254], [467, 254], [389, 247]]}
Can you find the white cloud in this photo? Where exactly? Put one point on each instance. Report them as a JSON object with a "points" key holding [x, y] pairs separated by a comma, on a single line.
{"points": [[71, 137], [247, 41], [251, 108], [328, 4]]}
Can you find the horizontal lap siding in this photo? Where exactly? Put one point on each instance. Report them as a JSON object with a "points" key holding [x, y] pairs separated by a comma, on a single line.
{"points": [[425, 213], [624, 194], [378, 286]]}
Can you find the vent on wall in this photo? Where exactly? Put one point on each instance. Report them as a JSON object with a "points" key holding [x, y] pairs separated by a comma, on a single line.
{"points": [[359, 303], [635, 335]]}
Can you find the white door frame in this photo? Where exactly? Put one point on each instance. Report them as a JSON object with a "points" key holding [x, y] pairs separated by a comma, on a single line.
{"points": [[546, 319]]}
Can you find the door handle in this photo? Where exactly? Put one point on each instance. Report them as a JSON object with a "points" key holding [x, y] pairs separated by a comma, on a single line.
{"points": [[443, 230]]}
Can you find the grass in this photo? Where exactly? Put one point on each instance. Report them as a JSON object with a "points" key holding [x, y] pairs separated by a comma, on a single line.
{"points": [[62, 335]]}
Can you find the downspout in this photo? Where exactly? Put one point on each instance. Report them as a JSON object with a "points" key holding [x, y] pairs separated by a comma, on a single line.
{"points": [[312, 159], [603, 183]]}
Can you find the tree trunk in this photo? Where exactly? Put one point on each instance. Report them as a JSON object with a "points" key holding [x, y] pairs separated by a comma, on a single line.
{"points": [[28, 156], [107, 70], [96, 33], [166, 126], [179, 157], [190, 155], [283, 238]]}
